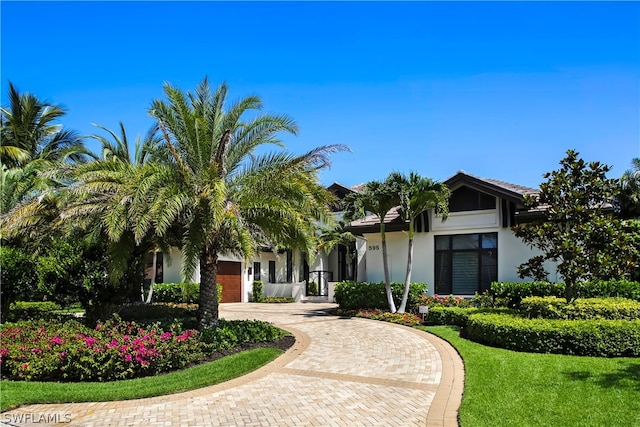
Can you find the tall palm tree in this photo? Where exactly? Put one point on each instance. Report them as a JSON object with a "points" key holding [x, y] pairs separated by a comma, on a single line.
{"points": [[630, 190], [29, 133], [216, 191], [417, 194], [332, 237], [378, 198]]}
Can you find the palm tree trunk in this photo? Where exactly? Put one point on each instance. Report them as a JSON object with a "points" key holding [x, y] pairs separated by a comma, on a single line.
{"points": [[154, 266], [407, 280], [348, 261], [208, 307], [385, 264]]}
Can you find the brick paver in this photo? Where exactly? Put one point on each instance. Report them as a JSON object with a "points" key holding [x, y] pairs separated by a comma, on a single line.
{"points": [[340, 372]]}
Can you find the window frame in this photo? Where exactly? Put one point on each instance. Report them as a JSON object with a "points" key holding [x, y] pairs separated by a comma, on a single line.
{"points": [[445, 285]]}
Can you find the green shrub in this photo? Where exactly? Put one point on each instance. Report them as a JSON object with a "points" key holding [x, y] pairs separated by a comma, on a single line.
{"points": [[513, 292], [17, 278], [604, 338], [609, 288], [176, 292], [31, 310], [457, 316], [488, 299], [257, 291], [363, 295], [231, 333], [312, 289], [581, 309]]}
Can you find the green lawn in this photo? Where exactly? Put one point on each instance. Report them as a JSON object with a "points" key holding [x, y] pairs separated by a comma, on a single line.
{"points": [[16, 393], [507, 388]]}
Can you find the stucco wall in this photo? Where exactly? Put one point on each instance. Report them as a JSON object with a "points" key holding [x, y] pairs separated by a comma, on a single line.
{"points": [[511, 251]]}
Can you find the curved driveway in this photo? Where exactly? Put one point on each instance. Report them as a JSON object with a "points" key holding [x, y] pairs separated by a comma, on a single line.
{"points": [[340, 372]]}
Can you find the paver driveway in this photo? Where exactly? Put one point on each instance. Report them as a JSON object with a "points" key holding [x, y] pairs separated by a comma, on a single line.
{"points": [[340, 372]]}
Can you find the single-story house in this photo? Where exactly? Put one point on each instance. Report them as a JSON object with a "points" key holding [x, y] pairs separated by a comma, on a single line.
{"points": [[462, 255], [474, 247]]}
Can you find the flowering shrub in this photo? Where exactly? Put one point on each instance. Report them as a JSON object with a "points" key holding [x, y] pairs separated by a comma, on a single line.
{"points": [[113, 350], [401, 318], [441, 301]]}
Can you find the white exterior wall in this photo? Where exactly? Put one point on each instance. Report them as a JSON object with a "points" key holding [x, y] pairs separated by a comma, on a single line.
{"points": [[361, 254], [511, 250], [172, 268], [172, 271]]}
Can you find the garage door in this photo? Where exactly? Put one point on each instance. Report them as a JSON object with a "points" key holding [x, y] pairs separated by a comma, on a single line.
{"points": [[230, 277]]}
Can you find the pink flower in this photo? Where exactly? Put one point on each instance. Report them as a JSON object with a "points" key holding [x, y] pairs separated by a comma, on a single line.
{"points": [[90, 341], [57, 340], [128, 358]]}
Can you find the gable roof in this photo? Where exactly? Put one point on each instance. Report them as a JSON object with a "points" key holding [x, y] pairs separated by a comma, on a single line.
{"points": [[513, 193]]}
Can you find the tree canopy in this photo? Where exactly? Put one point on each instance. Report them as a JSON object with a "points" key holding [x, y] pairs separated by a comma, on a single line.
{"points": [[579, 230]]}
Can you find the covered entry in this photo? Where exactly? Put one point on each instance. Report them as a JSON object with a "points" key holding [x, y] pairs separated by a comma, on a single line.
{"points": [[230, 277]]}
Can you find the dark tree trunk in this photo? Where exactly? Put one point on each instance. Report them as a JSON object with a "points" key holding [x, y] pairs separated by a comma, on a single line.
{"points": [[208, 307]]}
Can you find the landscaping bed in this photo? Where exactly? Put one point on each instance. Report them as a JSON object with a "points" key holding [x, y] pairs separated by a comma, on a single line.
{"points": [[116, 349]]}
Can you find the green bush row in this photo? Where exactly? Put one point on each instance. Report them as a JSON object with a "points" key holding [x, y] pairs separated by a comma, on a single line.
{"points": [[176, 292], [514, 292], [580, 309], [231, 333], [364, 295], [458, 316], [31, 310], [602, 338]]}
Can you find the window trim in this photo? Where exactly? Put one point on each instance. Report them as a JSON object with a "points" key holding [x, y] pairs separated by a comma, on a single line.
{"points": [[480, 251]]}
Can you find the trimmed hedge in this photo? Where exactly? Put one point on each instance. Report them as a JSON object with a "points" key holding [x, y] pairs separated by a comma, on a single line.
{"points": [[176, 292], [514, 292], [602, 338], [581, 309], [364, 295], [449, 315], [458, 316], [609, 288], [32, 310], [232, 333]]}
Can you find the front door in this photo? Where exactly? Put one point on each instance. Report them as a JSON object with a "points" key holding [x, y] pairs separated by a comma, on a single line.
{"points": [[230, 277]]}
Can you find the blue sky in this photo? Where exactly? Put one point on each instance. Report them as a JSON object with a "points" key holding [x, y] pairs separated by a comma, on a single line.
{"points": [[498, 89]]}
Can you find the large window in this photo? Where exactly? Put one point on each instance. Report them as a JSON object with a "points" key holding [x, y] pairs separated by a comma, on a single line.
{"points": [[465, 199], [466, 263]]}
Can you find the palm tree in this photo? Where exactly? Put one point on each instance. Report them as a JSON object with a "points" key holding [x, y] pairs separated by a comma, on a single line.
{"points": [[417, 194], [630, 190], [216, 191], [29, 133], [377, 198], [118, 157], [332, 237]]}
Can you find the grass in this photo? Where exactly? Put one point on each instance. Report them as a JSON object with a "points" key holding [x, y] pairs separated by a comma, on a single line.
{"points": [[507, 388], [16, 393]]}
